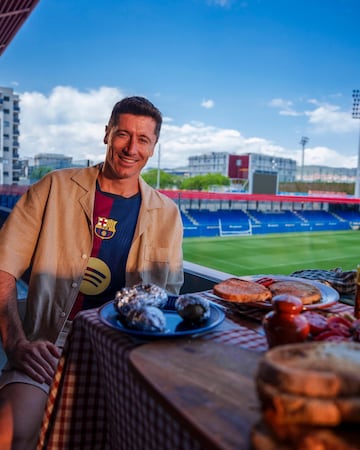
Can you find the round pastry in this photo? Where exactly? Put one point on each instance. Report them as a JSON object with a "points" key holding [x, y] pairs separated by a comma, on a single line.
{"points": [[306, 292], [192, 307], [313, 369], [241, 291]]}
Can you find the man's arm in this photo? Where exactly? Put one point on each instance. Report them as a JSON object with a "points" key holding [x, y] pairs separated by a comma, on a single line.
{"points": [[37, 359]]}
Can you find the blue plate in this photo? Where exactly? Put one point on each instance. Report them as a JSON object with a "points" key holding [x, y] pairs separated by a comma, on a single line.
{"points": [[175, 325]]}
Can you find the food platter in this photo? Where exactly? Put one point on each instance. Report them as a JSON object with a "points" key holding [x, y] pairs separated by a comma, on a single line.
{"points": [[175, 325], [329, 296]]}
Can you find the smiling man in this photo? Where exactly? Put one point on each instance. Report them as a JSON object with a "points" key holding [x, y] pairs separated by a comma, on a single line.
{"points": [[85, 233]]}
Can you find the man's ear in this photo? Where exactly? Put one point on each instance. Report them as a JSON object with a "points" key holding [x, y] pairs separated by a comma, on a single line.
{"points": [[106, 135]]}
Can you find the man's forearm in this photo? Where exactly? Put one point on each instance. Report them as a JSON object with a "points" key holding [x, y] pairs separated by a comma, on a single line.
{"points": [[10, 323]]}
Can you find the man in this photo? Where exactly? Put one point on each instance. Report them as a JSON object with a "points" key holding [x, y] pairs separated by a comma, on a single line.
{"points": [[85, 233]]}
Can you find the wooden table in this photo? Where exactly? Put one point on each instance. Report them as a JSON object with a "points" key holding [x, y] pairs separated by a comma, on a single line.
{"points": [[209, 389], [112, 392]]}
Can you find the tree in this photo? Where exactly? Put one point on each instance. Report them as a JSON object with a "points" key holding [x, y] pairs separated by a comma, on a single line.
{"points": [[204, 182], [38, 172], [167, 181]]}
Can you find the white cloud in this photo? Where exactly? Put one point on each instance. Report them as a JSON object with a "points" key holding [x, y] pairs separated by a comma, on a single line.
{"points": [[328, 157], [67, 121], [329, 118], [285, 107], [72, 122], [323, 118], [208, 104]]}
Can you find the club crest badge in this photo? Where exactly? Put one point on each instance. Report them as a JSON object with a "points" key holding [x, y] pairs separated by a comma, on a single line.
{"points": [[105, 228]]}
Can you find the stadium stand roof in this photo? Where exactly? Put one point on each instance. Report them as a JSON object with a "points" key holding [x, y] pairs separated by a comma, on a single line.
{"points": [[204, 195], [201, 195], [13, 14]]}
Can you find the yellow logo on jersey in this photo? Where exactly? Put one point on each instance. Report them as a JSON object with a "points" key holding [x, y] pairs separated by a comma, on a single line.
{"points": [[97, 277]]}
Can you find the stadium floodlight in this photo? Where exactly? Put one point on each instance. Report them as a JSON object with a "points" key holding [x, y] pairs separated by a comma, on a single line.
{"points": [[303, 141], [356, 115], [158, 168]]}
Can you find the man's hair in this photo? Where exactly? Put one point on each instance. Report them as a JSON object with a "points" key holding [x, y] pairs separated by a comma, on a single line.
{"points": [[139, 106]]}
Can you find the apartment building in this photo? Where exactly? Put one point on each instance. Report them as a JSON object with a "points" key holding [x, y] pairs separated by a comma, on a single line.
{"points": [[241, 167], [9, 136]]}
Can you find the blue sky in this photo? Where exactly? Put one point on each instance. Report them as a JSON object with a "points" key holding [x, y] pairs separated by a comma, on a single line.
{"points": [[228, 75]]}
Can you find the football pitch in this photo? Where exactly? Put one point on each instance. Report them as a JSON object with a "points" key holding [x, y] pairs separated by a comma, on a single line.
{"points": [[276, 253]]}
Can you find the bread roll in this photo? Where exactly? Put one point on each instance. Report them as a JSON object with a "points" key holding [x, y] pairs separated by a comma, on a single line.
{"points": [[306, 292], [284, 408], [241, 291], [316, 369], [294, 437]]}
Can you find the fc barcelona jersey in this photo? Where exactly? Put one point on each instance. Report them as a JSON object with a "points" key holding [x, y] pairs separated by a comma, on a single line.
{"points": [[114, 223]]}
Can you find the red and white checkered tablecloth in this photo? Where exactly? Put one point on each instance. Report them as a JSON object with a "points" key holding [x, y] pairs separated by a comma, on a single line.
{"points": [[97, 403]]}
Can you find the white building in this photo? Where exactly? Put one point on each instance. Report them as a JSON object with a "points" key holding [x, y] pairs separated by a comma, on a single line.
{"points": [[327, 174], [9, 136], [241, 166]]}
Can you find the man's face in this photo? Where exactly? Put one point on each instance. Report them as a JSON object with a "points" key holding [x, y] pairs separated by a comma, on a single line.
{"points": [[130, 145]]}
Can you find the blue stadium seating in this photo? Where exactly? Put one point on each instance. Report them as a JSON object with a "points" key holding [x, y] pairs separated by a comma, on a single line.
{"points": [[209, 223], [206, 222]]}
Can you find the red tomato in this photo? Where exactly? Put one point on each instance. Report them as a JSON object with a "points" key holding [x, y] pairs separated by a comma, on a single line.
{"points": [[318, 323], [330, 335], [340, 325], [265, 281], [340, 319]]}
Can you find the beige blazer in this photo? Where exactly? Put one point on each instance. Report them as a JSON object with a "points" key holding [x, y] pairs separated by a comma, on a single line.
{"points": [[50, 230]]}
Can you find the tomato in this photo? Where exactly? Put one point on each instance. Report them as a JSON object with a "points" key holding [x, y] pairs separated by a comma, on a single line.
{"points": [[318, 323], [340, 319], [266, 282], [340, 325], [330, 335]]}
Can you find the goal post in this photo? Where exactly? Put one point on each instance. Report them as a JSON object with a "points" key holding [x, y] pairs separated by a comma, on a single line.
{"points": [[234, 232]]}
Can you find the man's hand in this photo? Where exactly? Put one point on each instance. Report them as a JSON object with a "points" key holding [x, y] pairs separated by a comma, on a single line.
{"points": [[37, 359]]}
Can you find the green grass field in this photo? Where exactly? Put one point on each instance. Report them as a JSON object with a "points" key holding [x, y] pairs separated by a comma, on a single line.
{"points": [[276, 253]]}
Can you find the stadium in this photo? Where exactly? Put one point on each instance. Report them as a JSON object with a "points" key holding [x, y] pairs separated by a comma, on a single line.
{"points": [[246, 234], [230, 214]]}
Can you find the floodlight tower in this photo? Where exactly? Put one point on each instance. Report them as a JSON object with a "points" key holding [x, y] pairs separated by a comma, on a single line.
{"points": [[158, 168], [303, 141], [356, 115]]}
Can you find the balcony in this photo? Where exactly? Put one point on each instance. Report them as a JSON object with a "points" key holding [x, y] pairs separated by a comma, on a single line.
{"points": [[200, 278]]}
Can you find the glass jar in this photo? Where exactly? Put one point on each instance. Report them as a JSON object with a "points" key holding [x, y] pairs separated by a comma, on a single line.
{"points": [[285, 324]]}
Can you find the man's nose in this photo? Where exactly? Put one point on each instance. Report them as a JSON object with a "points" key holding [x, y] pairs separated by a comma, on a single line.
{"points": [[131, 146]]}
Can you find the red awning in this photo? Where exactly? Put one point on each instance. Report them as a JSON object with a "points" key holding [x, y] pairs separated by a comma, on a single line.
{"points": [[13, 14]]}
